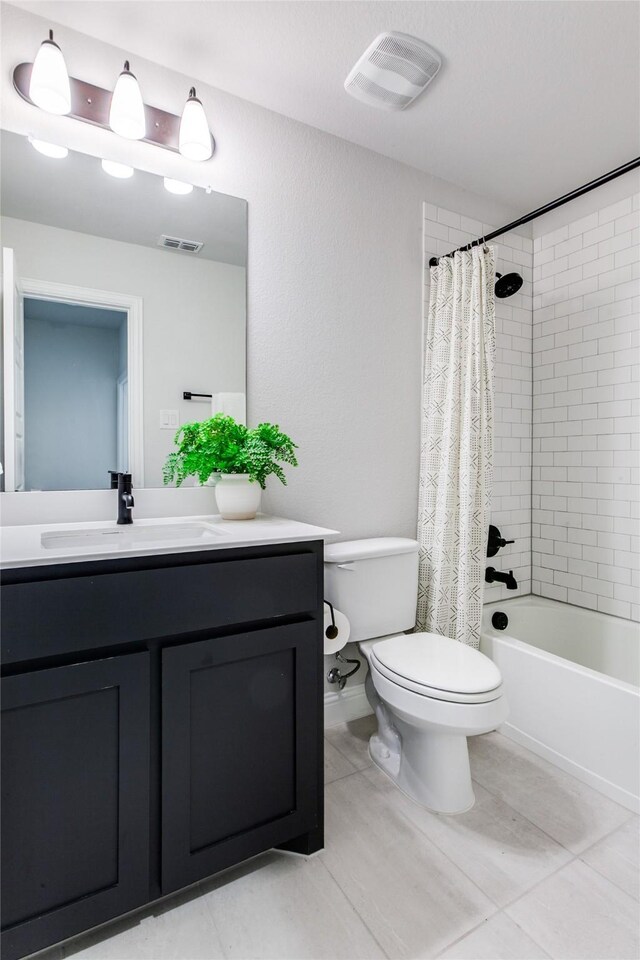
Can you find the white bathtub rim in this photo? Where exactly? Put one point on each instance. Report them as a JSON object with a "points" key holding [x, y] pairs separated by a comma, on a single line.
{"points": [[536, 599], [567, 664], [611, 790]]}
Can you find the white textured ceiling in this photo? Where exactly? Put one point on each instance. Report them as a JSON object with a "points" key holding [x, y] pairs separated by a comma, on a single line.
{"points": [[533, 99]]}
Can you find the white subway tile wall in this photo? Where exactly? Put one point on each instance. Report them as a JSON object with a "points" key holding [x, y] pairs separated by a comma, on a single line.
{"points": [[445, 230], [586, 406]]}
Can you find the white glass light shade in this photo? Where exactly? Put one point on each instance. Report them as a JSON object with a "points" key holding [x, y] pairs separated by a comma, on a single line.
{"points": [[52, 150], [49, 86], [119, 170], [126, 114], [195, 137], [177, 186]]}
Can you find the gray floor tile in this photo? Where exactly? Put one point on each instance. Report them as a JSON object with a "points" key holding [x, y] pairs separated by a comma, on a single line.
{"points": [[499, 938], [352, 740], [497, 848], [577, 913], [335, 764], [178, 928], [410, 895], [287, 907], [399, 880], [617, 857], [569, 811]]}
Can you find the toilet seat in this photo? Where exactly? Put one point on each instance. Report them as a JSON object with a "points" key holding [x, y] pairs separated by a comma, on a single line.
{"points": [[437, 667]]}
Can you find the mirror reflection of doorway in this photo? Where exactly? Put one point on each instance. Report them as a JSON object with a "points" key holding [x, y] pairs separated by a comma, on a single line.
{"points": [[75, 394]]}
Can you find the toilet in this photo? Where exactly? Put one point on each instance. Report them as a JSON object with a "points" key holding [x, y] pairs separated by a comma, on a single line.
{"points": [[428, 692]]}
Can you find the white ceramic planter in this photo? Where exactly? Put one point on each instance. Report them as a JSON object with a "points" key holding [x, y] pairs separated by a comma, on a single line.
{"points": [[237, 496]]}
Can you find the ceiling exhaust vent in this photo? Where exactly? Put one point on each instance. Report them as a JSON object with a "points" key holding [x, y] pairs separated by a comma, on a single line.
{"points": [[177, 243], [393, 71]]}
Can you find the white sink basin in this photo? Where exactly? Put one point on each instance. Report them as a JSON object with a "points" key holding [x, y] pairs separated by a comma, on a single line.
{"points": [[129, 535]]}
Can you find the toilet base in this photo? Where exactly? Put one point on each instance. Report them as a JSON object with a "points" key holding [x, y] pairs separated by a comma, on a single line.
{"points": [[434, 769], [430, 766], [394, 781]]}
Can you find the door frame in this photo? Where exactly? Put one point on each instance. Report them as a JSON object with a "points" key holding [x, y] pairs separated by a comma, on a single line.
{"points": [[133, 307], [10, 386]]}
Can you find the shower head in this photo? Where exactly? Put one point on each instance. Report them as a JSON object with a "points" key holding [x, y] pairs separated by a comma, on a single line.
{"points": [[507, 285]]}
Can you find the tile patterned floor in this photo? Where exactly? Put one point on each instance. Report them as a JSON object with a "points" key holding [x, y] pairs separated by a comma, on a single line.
{"points": [[542, 866]]}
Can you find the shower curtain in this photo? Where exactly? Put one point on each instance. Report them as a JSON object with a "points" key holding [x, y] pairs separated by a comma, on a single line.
{"points": [[456, 444]]}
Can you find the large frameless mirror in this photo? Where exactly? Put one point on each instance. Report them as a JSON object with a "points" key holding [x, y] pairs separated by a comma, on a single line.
{"points": [[119, 297]]}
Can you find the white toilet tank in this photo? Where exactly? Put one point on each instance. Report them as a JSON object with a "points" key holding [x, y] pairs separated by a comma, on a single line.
{"points": [[374, 583]]}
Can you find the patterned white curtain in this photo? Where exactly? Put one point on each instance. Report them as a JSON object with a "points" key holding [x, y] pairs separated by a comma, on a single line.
{"points": [[456, 453]]}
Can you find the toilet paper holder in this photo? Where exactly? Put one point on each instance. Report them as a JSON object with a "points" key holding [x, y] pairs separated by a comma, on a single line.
{"points": [[335, 675]]}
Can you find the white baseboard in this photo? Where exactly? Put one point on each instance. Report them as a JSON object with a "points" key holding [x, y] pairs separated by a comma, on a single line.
{"points": [[349, 704], [611, 790]]}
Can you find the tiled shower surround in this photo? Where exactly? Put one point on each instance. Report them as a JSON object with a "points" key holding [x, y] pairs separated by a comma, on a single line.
{"points": [[511, 501], [567, 467], [586, 424]]}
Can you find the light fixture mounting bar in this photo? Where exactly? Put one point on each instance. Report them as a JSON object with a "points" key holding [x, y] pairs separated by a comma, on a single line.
{"points": [[91, 105]]}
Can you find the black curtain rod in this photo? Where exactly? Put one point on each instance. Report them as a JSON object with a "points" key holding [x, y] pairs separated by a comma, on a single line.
{"points": [[598, 182]]}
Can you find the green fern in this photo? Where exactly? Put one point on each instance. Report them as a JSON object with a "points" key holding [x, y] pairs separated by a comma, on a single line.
{"points": [[220, 445]]}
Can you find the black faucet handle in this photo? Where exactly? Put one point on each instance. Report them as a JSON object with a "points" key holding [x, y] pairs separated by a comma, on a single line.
{"points": [[496, 541]]}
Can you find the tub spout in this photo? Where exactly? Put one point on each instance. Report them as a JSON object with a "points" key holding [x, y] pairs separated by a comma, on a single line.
{"points": [[495, 576]]}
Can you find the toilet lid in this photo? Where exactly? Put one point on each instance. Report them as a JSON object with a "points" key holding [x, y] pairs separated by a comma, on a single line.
{"points": [[431, 660]]}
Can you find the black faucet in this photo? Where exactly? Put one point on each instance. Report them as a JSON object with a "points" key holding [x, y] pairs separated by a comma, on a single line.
{"points": [[494, 576], [125, 498]]}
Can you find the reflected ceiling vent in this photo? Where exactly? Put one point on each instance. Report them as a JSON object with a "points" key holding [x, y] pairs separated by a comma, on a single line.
{"points": [[393, 71], [177, 243]]}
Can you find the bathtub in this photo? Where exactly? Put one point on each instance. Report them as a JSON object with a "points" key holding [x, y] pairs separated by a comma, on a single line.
{"points": [[572, 680]]}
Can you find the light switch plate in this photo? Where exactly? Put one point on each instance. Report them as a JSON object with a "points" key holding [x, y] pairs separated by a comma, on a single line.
{"points": [[168, 419]]}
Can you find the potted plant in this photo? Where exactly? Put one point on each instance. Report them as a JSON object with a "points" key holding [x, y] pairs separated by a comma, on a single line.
{"points": [[238, 458]]}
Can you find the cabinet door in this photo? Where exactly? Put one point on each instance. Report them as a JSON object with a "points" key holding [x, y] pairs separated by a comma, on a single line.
{"points": [[239, 750], [75, 798]]}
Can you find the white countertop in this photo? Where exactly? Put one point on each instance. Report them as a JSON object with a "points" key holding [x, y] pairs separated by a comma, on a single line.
{"points": [[21, 546]]}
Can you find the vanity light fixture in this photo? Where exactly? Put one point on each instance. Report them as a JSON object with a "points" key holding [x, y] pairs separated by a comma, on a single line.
{"points": [[49, 86], [46, 84], [121, 171], [126, 114], [178, 187], [52, 150], [195, 137]]}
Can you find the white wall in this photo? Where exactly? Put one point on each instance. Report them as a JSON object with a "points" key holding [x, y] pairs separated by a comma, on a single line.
{"points": [[586, 340], [334, 279], [193, 316], [444, 230]]}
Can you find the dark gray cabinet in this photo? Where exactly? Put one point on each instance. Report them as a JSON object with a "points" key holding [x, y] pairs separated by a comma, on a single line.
{"points": [[75, 797], [236, 738], [162, 720]]}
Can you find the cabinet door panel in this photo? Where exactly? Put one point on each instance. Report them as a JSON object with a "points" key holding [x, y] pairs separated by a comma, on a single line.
{"points": [[75, 798], [239, 758]]}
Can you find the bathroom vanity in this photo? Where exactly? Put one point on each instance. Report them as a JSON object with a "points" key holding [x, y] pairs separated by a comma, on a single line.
{"points": [[162, 717]]}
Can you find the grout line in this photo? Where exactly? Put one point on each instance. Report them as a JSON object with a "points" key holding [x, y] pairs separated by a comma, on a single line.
{"points": [[482, 923], [575, 779], [344, 776], [524, 816], [538, 883], [499, 906], [345, 757], [355, 909]]}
